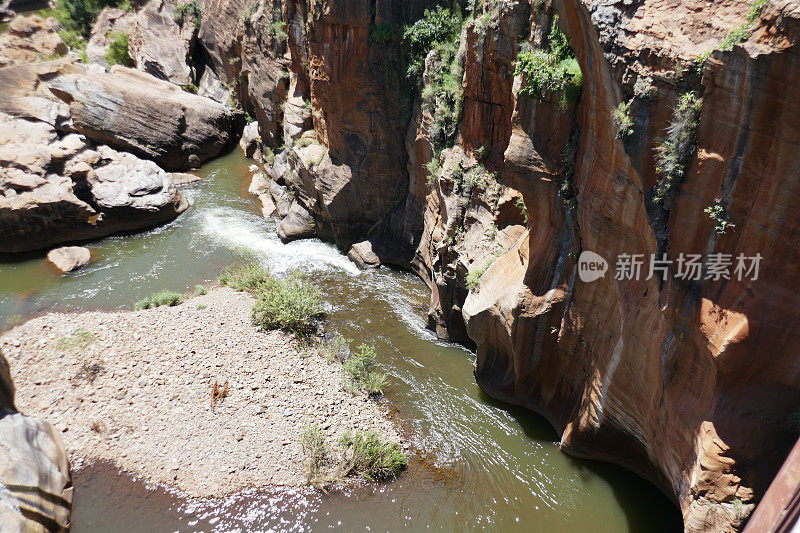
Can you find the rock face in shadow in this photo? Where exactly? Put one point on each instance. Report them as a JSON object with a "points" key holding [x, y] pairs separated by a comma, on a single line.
{"points": [[35, 480], [243, 45]]}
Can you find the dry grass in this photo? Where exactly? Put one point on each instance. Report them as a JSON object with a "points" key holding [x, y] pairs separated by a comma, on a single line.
{"points": [[218, 393]]}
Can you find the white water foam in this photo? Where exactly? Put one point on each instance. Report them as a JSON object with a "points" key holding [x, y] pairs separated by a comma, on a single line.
{"points": [[252, 233]]}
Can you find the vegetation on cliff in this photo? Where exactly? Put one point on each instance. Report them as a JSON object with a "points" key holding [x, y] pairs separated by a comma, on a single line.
{"points": [[737, 35], [192, 9], [435, 37], [552, 70], [679, 146], [77, 17], [118, 49], [438, 26]]}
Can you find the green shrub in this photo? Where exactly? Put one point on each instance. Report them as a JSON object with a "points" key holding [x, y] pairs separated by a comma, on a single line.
{"points": [[248, 277], [292, 304], [674, 154], [439, 25], [269, 156], [118, 49], [360, 368], [371, 457], [719, 215], [523, 209], [77, 17], [433, 168], [73, 39], [277, 28], [383, 33], [443, 95], [623, 120], [554, 70], [191, 9], [199, 289]]}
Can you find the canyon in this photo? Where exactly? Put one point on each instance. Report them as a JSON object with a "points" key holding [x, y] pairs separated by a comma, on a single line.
{"points": [[682, 139]]}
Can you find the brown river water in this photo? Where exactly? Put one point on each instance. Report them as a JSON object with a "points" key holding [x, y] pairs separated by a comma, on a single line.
{"points": [[480, 464]]}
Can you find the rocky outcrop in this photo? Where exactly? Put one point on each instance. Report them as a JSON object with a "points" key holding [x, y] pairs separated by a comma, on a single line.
{"points": [[35, 480], [135, 112], [6, 13], [124, 108], [30, 39], [69, 258], [109, 20], [161, 46], [244, 43], [56, 188]]}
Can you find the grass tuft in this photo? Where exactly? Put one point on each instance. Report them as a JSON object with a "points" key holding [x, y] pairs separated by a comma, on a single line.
{"points": [[371, 457], [168, 298], [312, 442], [360, 367], [78, 340]]}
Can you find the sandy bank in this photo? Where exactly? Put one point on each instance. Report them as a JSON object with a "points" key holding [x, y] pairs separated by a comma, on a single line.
{"points": [[136, 388]]}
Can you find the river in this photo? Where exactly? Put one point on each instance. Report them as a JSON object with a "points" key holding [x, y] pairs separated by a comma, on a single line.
{"points": [[480, 464]]}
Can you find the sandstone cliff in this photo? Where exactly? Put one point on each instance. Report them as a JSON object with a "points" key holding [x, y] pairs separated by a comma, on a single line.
{"points": [[682, 139]]}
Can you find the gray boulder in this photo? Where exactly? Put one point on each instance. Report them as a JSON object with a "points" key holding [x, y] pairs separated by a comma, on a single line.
{"points": [[298, 224], [35, 479], [69, 258]]}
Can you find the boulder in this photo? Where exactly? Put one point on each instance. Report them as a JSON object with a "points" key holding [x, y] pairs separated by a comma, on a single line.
{"points": [[6, 13], [250, 140], [161, 46], [69, 258], [298, 224], [281, 197], [110, 19], [54, 188], [30, 39], [123, 108], [35, 479], [362, 255], [133, 111]]}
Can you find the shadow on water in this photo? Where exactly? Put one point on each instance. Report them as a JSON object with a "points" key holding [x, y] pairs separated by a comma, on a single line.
{"points": [[481, 464]]}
